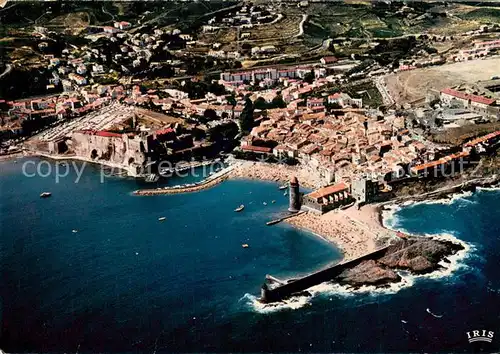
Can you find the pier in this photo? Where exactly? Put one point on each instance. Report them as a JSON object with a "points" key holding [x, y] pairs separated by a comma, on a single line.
{"points": [[276, 221], [285, 290], [211, 181]]}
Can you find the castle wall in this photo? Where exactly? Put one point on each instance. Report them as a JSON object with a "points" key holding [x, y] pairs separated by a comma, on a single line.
{"points": [[128, 152]]}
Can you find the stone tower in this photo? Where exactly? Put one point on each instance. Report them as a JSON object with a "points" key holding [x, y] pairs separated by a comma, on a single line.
{"points": [[293, 191]]}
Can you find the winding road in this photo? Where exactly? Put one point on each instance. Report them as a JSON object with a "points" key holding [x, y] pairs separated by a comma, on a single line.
{"points": [[8, 69]]}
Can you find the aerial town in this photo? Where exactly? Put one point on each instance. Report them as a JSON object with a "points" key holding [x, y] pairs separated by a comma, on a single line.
{"points": [[133, 94], [343, 107]]}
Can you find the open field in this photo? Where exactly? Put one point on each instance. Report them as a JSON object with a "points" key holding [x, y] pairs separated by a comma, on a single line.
{"points": [[155, 117], [412, 85]]}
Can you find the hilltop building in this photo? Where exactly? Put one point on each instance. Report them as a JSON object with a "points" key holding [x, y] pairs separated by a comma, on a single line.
{"points": [[477, 103]]}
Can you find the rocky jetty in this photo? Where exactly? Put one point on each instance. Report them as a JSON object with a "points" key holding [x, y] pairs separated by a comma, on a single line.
{"points": [[368, 273], [418, 255]]}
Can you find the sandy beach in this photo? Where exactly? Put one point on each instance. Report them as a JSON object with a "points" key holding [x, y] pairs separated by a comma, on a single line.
{"points": [[275, 172], [355, 232]]}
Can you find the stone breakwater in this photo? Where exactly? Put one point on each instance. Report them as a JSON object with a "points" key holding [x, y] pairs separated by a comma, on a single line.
{"points": [[188, 188]]}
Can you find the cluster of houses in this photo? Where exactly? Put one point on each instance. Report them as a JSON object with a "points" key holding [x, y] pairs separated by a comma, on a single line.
{"points": [[81, 66], [479, 49], [357, 154], [339, 147], [271, 75], [245, 17]]}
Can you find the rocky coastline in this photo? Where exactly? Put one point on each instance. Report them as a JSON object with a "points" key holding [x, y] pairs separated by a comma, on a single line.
{"points": [[447, 190], [417, 255]]}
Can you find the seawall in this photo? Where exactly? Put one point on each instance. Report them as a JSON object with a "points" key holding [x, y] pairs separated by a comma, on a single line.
{"points": [[283, 291], [195, 187]]}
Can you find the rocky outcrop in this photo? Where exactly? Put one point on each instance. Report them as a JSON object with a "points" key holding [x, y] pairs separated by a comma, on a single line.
{"points": [[418, 255], [367, 273]]}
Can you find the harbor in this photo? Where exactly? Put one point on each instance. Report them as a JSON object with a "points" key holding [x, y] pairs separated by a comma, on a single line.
{"points": [[209, 182]]}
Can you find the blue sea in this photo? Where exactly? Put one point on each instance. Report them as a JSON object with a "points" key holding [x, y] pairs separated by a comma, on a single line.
{"points": [[125, 282]]}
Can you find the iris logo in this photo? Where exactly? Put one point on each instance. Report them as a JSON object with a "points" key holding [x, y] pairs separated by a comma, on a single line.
{"points": [[480, 336]]}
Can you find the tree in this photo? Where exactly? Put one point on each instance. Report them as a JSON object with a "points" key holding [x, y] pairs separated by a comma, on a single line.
{"points": [[231, 100], [223, 132], [246, 117], [260, 103], [333, 105], [210, 114], [309, 77], [278, 102]]}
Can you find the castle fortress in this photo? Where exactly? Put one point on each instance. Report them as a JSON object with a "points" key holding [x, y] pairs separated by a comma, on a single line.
{"points": [[126, 150]]}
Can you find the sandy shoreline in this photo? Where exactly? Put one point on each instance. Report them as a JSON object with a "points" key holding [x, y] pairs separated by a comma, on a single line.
{"points": [[278, 173], [354, 232]]}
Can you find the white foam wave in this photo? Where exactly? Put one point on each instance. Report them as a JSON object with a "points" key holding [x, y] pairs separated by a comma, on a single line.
{"points": [[389, 216], [456, 262], [444, 201], [488, 189], [293, 303], [390, 220]]}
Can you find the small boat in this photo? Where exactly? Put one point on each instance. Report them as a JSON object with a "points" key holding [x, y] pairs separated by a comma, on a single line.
{"points": [[240, 208], [283, 187], [264, 203], [286, 193], [272, 222], [45, 195], [74, 231], [273, 201], [162, 218], [245, 245]]}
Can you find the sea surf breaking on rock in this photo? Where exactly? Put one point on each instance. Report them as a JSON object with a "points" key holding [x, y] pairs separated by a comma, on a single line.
{"points": [[446, 266]]}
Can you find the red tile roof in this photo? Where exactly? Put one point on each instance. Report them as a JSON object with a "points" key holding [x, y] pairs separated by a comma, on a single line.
{"points": [[326, 191], [483, 138], [466, 96], [164, 131], [330, 59], [257, 148], [439, 162], [100, 133]]}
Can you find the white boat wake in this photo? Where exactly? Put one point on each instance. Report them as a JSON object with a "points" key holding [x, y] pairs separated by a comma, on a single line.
{"points": [[433, 314]]}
